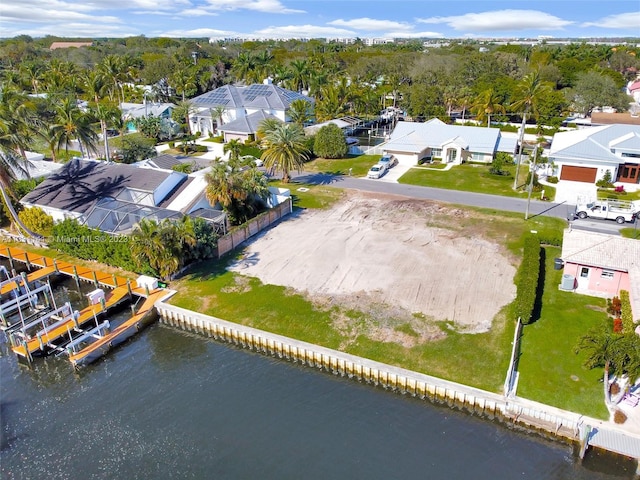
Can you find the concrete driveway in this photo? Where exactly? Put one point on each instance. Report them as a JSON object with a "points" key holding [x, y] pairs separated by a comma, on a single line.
{"points": [[394, 173], [575, 192]]}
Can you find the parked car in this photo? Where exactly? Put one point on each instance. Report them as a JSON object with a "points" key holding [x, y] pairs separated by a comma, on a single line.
{"points": [[377, 171], [388, 161]]}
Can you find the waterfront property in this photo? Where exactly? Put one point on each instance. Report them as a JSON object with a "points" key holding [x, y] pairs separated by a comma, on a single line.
{"points": [[601, 265], [413, 143], [62, 331], [115, 197]]}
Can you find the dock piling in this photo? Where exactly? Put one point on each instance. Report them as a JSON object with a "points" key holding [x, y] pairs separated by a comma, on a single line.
{"points": [[76, 276]]}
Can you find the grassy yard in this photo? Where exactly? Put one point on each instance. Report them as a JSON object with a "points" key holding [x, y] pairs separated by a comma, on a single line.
{"points": [[550, 370], [359, 165], [306, 195], [479, 360], [473, 178]]}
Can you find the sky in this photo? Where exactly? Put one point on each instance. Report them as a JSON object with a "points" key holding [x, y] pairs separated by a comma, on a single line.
{"points": [[221, 19]]}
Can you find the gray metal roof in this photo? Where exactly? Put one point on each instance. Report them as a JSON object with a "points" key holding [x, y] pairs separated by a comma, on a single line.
{"points": [[415, 137], [594, 144], [78, 185], [246, 125]]}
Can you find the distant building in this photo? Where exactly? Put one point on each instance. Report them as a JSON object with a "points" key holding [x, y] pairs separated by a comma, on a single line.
{"points": [[57, 45]]}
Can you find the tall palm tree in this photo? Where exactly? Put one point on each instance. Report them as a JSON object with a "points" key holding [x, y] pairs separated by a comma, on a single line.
{"points": [[604, 348], [218, 113], [71, 124], [284, 149], [108, 115], [233, 147], [299, 75], [300, 111], [487, 103], [17, 123], [530, 91], [239, 190], [184, 80], [243, 65]]}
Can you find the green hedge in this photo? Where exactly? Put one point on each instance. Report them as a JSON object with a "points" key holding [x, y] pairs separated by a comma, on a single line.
{"points": [[527, 280], [87, 243], [625, 313]]}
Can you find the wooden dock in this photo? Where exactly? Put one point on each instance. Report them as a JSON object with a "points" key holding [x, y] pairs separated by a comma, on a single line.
{"points": [[31, 277], [121, 289], [80, 273], [100, 347]]}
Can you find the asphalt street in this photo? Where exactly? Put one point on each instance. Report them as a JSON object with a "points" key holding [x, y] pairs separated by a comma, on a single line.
{"points": [[496, 202]]}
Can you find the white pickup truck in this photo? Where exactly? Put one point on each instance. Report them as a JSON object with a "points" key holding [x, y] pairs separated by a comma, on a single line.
{"points": [[618, 210]]}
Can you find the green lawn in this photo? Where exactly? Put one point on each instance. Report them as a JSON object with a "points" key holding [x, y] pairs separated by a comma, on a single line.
{"points": [[473, 178], [359, 165], [631, 232], [550, 370], [479, 360], [306, 195]]}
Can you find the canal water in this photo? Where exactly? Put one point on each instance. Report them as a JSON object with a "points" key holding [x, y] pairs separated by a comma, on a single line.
{"points": [[170, 404]]}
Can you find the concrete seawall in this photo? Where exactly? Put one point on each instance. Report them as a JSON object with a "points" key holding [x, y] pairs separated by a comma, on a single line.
{"points": [[540, 418]]}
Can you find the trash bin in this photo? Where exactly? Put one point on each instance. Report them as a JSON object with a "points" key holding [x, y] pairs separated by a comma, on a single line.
{"points": [[558, 264]]}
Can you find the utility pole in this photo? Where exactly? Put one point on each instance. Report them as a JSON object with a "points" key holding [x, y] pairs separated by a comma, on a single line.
{"points": [[533, 173]]}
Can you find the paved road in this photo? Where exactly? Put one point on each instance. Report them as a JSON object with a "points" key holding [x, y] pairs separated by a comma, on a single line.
{"points": [[497, 202]]}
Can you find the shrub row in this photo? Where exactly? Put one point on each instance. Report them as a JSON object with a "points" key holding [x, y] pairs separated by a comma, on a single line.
{"points": [[87, 243], [527, 283], [625, 312]]}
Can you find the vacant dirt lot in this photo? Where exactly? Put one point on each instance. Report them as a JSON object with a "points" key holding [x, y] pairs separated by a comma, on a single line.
{"points": [[380, 256]]}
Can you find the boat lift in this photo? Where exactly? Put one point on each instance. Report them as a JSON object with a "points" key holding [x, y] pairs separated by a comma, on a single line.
{"points": [[24, 300]]}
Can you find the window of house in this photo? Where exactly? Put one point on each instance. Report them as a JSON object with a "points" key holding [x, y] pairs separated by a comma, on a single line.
{"points": [[584, 272], [607, 274], [436, 152]]}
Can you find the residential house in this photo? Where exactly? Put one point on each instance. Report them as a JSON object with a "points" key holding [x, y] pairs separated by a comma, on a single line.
{"points": [[113, 197], [244, 128], [586, 155], [414, 143], [601, 265], [133, 111], [239, 102]]}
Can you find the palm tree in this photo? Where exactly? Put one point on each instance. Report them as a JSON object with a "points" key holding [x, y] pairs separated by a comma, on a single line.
{"points": [[487, 104], [71, 124], [184, 80], [239, 190], [17, 123], [108, 115], [32, 74], [233, 147], [530, 91], [182, 112], [299, 75], [300, 111], [284, 149], [604, 349], [243, 65], [217, 113]]}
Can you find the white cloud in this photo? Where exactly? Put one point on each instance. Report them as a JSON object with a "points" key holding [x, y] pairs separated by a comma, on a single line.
{"points": [[501, 20], [629, 20], [23, 13], [199, 32], [370, 24], [303, 31], [267, 6], [196, 12], [79, 30]]}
